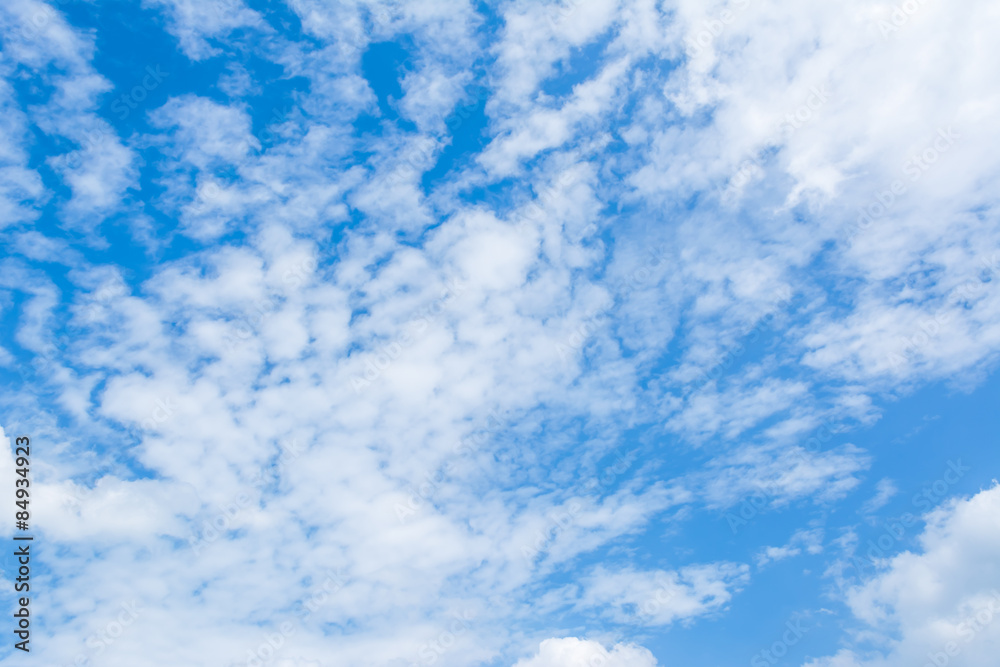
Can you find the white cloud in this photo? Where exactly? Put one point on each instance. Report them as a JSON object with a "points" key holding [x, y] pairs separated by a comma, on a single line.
{"points": [[571, 652], [736, 409], [884, 491], [196, 22], [809, 540], [98, 169], [537, 35], [547, 128], [661, 597], [939, 605], [20, 185], [217, 360], [781, 474]]}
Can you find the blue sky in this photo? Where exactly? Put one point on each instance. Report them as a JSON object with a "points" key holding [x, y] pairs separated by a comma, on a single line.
{"points": [[518, 334]]}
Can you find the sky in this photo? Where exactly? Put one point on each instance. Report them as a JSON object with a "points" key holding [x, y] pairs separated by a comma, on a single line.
{"points": [[621, 333]]}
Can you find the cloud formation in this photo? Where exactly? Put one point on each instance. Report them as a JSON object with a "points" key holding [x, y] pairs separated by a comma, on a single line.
{"points": [[415, 333]]}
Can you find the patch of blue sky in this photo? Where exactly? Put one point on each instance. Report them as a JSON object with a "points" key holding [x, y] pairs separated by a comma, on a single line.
{"points": [[384, 65], [580, 66], [468, 126], [549, 450]]}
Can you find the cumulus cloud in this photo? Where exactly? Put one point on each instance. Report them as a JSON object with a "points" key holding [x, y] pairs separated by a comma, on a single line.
{"points": [[938, 604], [570, 651]]}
